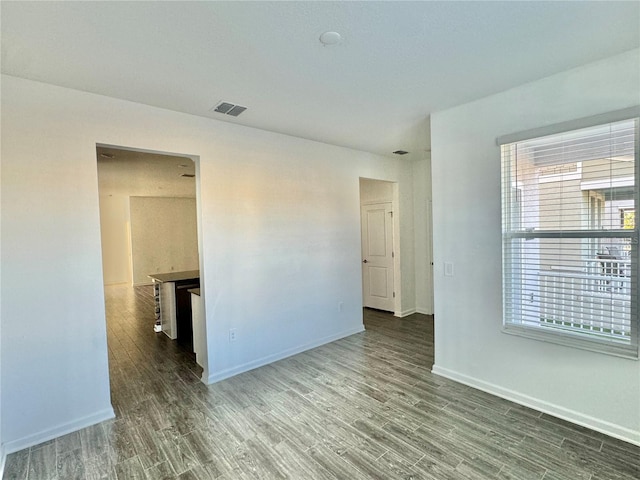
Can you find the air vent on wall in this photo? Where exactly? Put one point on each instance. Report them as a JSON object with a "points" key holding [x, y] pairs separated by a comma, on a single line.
{"points": [[228, 109]]}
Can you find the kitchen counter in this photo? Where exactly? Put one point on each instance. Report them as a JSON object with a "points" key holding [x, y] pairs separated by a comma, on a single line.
{"points": [[175, 276], [199, 330], [173, 304]]}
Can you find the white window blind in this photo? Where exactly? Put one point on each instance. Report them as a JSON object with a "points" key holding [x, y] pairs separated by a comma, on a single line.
{"points": [[570, 238]]}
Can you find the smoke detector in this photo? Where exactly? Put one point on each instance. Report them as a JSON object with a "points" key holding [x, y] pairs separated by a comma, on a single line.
{"points": [[330, 38], [228, 108]]}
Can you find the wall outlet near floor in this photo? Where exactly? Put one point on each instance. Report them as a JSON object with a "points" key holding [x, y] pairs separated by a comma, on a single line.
{"points": [[232, 334]]}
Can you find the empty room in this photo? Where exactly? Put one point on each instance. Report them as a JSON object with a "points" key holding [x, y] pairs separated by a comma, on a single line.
{"points": [[408, 247]]}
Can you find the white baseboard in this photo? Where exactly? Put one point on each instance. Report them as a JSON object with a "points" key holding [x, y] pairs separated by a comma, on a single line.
{"points": [[245, 367], [423, 311], [611, 429], [3, 460], [45, 435], [405, 313]]}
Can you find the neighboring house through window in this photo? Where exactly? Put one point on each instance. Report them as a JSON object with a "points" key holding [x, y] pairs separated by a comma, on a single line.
{"points": [[570, 240]]}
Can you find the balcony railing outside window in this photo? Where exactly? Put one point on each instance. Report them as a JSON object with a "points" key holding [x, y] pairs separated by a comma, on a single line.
{"points": [[596, 300]]}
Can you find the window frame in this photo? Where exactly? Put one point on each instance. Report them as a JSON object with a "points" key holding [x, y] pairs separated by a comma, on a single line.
{"points": [[559, 336]]}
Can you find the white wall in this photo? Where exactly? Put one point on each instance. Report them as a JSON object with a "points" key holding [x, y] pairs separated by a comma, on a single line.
{"points": [[115, 237], [280, 237], [422, 233], [375, 191], [54, 356], [2, 449], [593, 389], [164, 236]]}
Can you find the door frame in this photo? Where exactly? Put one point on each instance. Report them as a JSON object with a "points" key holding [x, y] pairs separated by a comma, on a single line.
{"points": [[196, 161], [397, 273], [368, 299]]}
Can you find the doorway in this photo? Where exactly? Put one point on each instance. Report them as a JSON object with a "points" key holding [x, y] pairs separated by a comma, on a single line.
{"points": [[380, 245], [149, 224], [377, 256]]}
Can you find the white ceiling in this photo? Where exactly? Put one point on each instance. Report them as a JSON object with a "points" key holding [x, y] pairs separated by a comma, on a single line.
{"points": [[142, 174], [397, 63]]}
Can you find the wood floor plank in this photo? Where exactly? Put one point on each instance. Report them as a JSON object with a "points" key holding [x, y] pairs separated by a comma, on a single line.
{"points": [[335, 464], [599, 461], [199, 472], [130, 469], [162, 471], [381, 468], [70, 465], [42, 462], [67, 442], [551, 457], [496, 447], [298, 464], [17, 465], [100, 467], [339, 436], [390, 441], [424, 444], [437, 471]]}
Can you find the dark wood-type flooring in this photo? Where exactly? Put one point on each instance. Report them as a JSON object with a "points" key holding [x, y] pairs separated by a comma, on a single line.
{"points": [[362, 407]]}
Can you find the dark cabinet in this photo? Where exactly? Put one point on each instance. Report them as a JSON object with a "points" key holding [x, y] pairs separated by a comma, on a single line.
{"points": [[184, 325]]}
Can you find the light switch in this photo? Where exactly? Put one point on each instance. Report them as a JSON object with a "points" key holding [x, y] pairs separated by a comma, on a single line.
{"points": [[448, 269]]}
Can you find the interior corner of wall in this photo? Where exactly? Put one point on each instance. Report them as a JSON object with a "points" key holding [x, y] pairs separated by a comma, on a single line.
{"points": [[3, 460]]}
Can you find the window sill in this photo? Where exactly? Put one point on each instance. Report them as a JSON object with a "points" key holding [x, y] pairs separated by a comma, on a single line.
{"points": [[568, 339]]}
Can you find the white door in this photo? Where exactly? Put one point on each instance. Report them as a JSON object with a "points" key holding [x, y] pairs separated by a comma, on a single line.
{"points": [[377, 256]]}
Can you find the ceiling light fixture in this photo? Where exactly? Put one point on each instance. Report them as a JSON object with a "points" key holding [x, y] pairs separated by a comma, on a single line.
{"points": [[330, 38]]}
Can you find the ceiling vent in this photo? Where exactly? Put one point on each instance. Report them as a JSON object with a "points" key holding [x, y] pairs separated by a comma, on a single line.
{"points": [[229, 109], [400, 152]]}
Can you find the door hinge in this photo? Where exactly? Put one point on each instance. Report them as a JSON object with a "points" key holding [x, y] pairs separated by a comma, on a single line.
{"points": [[393, 254], [391, 214], [394, 294]]}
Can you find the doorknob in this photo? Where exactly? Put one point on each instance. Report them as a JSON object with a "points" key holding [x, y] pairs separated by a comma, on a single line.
{"points": [[365, 261]]}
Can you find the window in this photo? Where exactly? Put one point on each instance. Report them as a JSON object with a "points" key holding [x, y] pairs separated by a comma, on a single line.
{"points": [[570, 240], [627, 218]]}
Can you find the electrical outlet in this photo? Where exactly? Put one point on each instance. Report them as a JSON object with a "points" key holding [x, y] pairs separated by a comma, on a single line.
{"points": [[232, 335], [448, 269]]}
